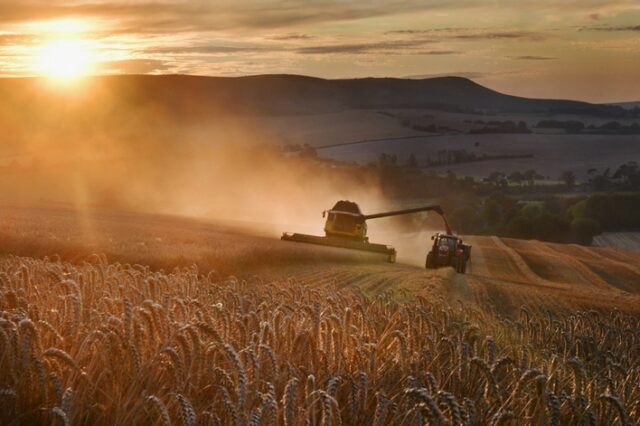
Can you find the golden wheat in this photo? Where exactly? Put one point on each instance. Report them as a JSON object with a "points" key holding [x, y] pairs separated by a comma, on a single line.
{"points": [[100, 343]]}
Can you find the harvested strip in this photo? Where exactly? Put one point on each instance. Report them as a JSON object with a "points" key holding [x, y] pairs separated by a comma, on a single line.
{"points": [[520, 263], [591, 276]]}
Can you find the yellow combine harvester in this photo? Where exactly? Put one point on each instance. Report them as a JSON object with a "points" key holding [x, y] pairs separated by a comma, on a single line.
{"points": [[346, 227]]}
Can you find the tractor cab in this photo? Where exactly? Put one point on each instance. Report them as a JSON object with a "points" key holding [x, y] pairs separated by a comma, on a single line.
{"points": [[446, 243]]}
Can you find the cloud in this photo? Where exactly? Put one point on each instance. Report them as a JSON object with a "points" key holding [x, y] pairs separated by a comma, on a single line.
{"points": [[204, 15], [472, 34], [136, 66], [496, 35], [440, 52], [612, 29], [207, 49], [292, 36], [17, 39], [534, 58], [390, 46], [173, 16]]}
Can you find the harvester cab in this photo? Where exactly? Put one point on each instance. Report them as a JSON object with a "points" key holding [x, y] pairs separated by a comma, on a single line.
{"points": [[345, 220], [346, 227]]}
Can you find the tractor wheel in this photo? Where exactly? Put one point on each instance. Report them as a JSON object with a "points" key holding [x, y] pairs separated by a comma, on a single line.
{"points": [[455, 264], [463, 266], [430, 264]]}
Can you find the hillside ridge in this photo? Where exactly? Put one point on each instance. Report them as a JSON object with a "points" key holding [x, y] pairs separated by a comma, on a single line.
{"points": [[275, 94]]}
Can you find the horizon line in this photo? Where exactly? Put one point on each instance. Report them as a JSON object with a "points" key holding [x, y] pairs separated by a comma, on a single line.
{"points": [[415, 78]]}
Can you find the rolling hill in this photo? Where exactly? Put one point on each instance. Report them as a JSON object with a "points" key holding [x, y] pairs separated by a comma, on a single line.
{"points": [[101, 112], [193, 96]]}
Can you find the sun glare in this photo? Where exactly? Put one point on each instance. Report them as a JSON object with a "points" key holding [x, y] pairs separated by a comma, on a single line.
{"points": [[67, 52], [65, 59]]}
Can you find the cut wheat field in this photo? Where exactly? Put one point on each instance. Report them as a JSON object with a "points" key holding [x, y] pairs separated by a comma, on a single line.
{"points": [[157, 334]]}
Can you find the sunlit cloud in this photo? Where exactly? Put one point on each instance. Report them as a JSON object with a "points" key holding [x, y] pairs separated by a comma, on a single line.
{"points": [[9, 39], [389, 47], [624, 28], [60, 27], [534, 58], [209, 49], [473, 34], [440, 52], [150, 16], [135, 66], [292, 36]]}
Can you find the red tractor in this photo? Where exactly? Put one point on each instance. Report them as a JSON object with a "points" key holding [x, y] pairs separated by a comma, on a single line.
{"points": [[448, 250]]}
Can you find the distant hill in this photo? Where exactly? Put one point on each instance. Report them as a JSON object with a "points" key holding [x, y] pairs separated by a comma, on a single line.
{"points": [[292, 94]]}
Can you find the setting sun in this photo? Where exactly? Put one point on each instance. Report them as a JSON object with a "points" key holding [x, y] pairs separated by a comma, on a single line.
{"points": [[64, 59]]}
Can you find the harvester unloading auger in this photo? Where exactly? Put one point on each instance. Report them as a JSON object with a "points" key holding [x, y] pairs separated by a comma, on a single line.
{"points": [[346, 227]]}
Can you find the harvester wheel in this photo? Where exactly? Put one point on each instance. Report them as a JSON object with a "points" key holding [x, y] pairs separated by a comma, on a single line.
{"points": [[392, 258]]}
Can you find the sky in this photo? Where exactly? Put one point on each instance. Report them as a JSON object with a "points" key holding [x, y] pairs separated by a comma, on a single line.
{"points": [[575, 49]]}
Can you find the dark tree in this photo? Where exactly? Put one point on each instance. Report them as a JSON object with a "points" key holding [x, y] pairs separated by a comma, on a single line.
{"points": [[412, 162], [568, 177], [530, 176], [516, 177], [496, 179]]}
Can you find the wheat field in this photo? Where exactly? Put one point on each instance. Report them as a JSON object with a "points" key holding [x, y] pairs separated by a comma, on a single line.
{"points": [[108, 343]]}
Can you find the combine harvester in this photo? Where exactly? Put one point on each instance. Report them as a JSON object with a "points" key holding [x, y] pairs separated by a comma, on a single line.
{"points": [[346, 227]]}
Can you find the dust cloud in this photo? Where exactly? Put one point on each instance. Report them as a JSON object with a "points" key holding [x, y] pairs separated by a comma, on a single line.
{"points": [[98, 152], [93, 150], [411, 245]]}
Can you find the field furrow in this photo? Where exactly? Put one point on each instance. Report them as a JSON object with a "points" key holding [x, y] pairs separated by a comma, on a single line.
{"points": [[617, 272], [519, 262], [587, 274]]}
